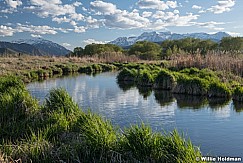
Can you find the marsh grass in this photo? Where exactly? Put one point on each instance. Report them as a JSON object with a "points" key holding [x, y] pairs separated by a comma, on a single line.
{"points": [[59, 131], [215, 62], [140, 143], [238, 93]]}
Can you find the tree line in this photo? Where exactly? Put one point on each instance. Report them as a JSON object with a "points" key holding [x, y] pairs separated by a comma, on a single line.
{"points": [[150, 50]]}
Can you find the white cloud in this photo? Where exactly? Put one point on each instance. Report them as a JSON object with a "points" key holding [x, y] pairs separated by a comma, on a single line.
{"points": [[42, 30], [222, 6], [90, 41], [35, 36], [76, 16], [116, 18], [73, 23], [156, 4], [202, 11], [211, 25], [66, 44], [126, 20], [13, 3], [76, 4], [234, 34], [103, 7], [79, 29], [61, 20], [8, 11], [6, 31], [146, 14], [45, 8], [197, 7], [176, 11], [166, 19]]}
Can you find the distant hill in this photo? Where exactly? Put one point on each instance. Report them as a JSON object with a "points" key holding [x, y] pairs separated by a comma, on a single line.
{"points": [[34, 47], [6, 51], [162, 36]]}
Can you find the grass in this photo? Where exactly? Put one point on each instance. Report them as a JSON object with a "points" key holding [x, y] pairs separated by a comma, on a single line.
{"points": [[191, 81], [238, 93], [216, 62], [59, 131]]}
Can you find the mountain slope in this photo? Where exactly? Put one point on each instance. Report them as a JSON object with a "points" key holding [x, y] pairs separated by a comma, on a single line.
{"points": [[20, 48], [45, 46], [162, 36]]}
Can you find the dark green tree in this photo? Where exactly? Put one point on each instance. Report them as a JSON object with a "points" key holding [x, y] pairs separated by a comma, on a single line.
{"points": [[232, 44], [145, 50]]}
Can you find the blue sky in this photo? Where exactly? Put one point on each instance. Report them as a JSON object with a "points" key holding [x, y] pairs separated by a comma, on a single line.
{"points": [[73, 23]]}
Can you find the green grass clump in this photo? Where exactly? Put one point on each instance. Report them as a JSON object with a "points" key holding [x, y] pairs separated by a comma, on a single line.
{"points": [[141, 144], [131, 65], [203, 74], [56, 70], [107, 67], [16, 105], [165, 80], [68, 68], [59, 99], [44, 73], [97, 68], [238, 93], [145, 78], [217, 89], [99, 138], [191, 85], [127, 75]]}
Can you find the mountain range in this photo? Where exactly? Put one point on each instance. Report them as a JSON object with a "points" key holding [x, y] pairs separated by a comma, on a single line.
{"points": [[33, 47], [162, 36]]}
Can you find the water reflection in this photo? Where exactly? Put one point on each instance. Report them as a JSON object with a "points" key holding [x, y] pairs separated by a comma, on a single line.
{"points": [[190, 101], [218, 103], [163, 97], [238, 106], [125, 85], [144, 91]]}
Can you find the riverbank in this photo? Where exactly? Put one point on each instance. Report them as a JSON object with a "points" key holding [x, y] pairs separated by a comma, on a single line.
{"points": [[60, 131]]}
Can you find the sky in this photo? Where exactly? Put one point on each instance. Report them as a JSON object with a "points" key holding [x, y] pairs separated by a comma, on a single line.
{"points": [[74, 23]]}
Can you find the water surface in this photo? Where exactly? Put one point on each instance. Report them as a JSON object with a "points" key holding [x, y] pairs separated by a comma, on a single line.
{"points": [[216, 125]]}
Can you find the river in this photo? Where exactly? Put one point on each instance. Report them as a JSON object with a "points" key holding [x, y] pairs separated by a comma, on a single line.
{"points": [[215, 125]]}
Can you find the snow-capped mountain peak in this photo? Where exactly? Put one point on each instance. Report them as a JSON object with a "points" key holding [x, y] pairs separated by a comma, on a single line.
{"points": [[162, 36]]}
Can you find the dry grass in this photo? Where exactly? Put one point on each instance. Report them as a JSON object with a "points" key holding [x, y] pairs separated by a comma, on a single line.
{"points": [[19, 64], [215, 62]]}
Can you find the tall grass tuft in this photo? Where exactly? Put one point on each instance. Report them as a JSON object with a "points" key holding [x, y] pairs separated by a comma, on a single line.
{"points": [[16, 105], [141, 144], [59, 99]]}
